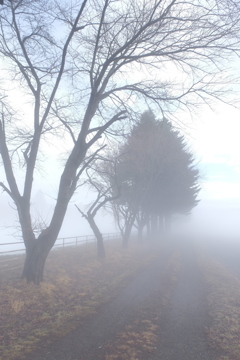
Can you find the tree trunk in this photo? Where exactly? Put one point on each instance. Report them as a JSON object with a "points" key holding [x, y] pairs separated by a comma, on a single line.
{"points": [[100, 245], [140, 232], [36, 256], [154, 226], [126, 236]]}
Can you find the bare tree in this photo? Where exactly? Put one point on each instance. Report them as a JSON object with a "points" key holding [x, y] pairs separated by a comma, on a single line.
{"points": [[140, 223], [80, 67], [101, 181], [125, 217]]}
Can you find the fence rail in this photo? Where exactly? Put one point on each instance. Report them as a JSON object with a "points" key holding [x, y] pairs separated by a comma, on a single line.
{"points": [[64, 241], [9, 259]]}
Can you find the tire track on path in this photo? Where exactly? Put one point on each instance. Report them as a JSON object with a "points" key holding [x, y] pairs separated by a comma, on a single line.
{"points": [[184, 322]]}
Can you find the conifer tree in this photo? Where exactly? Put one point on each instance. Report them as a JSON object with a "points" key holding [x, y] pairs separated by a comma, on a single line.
{"points": [[156, 171]]}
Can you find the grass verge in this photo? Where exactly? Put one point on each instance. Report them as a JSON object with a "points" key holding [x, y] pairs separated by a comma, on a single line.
{"points": [[224, 308], [75, 285]]}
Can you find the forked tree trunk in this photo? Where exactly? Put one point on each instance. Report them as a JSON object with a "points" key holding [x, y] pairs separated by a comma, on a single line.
{"points": [[99, 237], [127, 232], [36, 256], [38, 249]]}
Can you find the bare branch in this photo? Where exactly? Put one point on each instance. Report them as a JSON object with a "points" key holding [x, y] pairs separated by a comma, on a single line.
{"points": [[7, 190], [81, 212], [103, 128]]}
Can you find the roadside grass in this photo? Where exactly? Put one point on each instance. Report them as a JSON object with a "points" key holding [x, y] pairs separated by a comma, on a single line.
{"points": [[76, 285], [10, 266], [224, 308], [140, 339]]}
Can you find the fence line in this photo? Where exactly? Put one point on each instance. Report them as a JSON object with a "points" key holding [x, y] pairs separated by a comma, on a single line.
{"points": [[64, 241], [11, 261]]}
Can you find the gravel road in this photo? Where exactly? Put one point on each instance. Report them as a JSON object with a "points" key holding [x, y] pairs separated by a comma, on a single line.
{"points": [[181, 326]]}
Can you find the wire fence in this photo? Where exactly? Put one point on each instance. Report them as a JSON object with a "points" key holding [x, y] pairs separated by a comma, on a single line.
{"points": [[9, 254]]}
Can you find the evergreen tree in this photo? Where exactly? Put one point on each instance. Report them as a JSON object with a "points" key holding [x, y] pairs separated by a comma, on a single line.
{"points": [[156, 171]]}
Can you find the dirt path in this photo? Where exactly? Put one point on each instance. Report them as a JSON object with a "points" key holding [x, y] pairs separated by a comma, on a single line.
{"points": [[150, 319], [183, 334]]}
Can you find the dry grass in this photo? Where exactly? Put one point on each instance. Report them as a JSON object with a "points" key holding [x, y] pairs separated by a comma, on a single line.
{"points": [[224, 308], [75, 285], [10, 267]]}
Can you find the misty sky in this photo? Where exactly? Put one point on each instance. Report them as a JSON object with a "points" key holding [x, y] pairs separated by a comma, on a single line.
{"points": [[215, 141], [216, 145]]}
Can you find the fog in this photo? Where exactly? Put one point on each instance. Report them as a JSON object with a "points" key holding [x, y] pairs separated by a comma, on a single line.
{"points": [[74, 224], [216, 217], [211, 219], [216, 147]]}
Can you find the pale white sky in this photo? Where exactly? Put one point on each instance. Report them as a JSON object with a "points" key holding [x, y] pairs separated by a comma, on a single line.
{"points": [[216, 143], [215, 140]]}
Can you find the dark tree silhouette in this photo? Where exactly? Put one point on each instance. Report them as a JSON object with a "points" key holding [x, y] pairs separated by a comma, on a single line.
{"points": [[156, 173]]}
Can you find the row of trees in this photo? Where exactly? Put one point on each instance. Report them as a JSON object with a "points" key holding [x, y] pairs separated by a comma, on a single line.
{"points": [[148, 179], [156, 173], [79, 67]]}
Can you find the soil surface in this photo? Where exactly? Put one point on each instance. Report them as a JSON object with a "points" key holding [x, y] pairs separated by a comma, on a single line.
{"points": [[185, 320], [163, 312]]}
